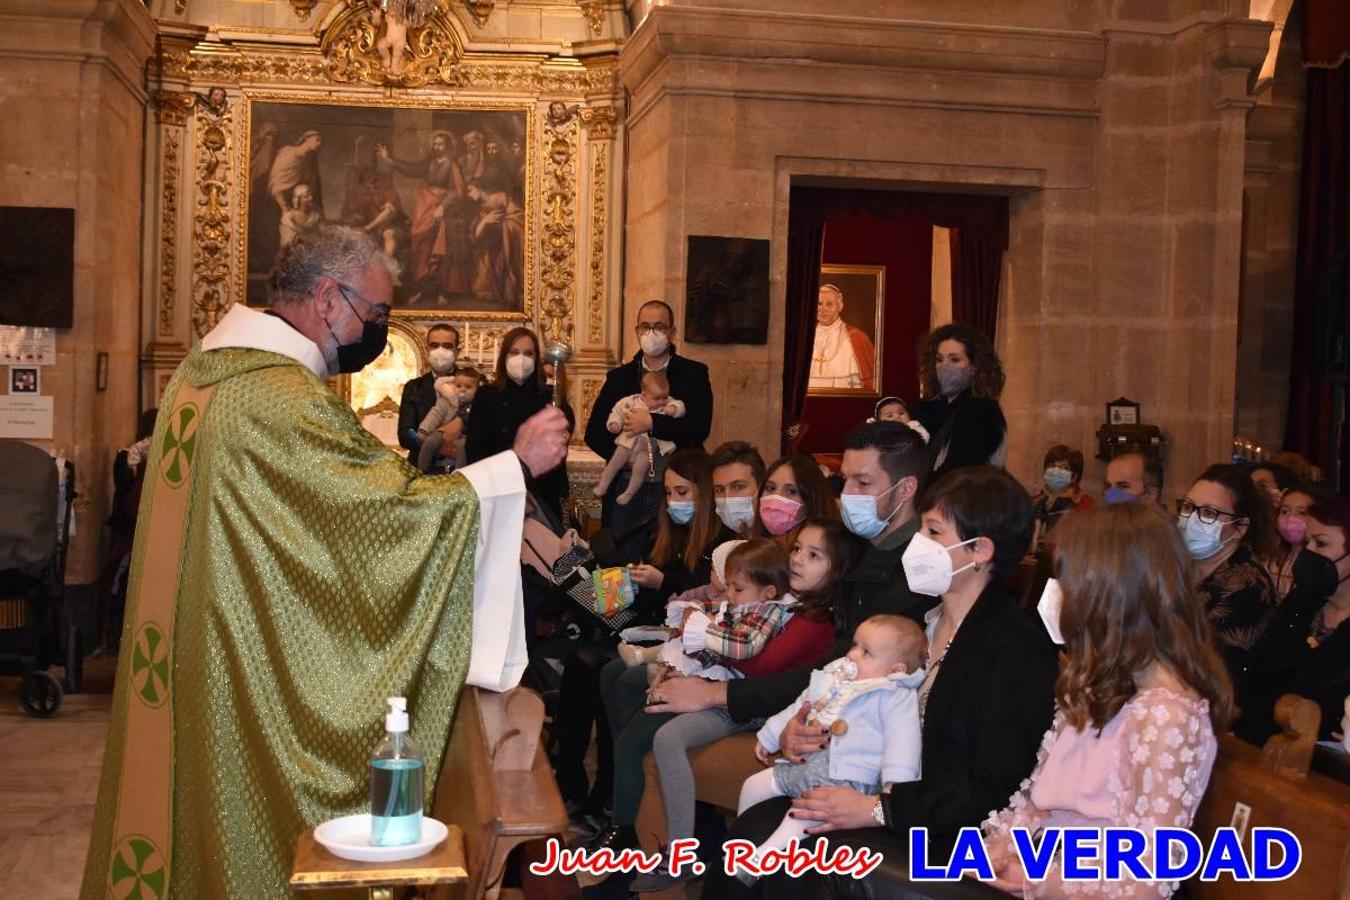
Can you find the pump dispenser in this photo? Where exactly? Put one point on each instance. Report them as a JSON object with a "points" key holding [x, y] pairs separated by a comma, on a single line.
{"points": [[396, 780]]}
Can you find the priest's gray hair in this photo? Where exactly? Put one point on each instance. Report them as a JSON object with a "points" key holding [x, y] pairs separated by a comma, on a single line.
{"points": [[329, 251]]}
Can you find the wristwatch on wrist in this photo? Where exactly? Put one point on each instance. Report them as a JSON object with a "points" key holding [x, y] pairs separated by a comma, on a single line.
{"points": [[879, 812], [524, 468]]}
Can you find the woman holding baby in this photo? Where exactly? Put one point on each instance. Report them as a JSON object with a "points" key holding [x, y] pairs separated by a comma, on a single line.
{"points": [[1138, 699]]}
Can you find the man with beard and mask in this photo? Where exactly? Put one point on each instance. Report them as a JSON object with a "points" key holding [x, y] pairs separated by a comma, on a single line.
{"points": [[289, 574], [419, 394], [655, 331]]}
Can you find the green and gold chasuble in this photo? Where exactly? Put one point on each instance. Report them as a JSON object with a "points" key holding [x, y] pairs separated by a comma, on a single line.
{"points": [[289, 573]]}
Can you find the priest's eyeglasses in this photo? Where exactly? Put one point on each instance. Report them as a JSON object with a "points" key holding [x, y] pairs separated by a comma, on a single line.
{"points": [[646, 328], [1208, 514], [381, 310]]}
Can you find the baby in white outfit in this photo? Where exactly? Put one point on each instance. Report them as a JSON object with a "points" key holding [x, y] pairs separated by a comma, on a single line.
{"points": [[633, 451]]}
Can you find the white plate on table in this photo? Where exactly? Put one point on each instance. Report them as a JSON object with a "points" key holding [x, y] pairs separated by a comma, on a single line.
{"points": [[349, 838]]}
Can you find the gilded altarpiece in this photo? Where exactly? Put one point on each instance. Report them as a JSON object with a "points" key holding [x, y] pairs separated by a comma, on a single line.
{"points": [[206, 168]]}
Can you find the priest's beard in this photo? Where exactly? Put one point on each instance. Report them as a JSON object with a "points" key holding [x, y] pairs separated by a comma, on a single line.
{"points": [[328, 346]]}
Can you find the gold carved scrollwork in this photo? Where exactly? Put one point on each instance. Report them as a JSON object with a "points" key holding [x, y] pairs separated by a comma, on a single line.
{"points": [[590, 389], [600, 121], [174, 106], [558, 270], [594, 11], [351, 45], [481, 10], [312, 67], [211, 219], [599, 187], [168, 238], [303, 8]]}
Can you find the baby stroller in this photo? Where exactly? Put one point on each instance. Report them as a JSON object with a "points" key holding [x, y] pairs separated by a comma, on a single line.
{"points": [[34, 532]]}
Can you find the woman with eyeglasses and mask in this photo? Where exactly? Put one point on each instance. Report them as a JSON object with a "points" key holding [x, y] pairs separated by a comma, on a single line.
{"points": [[1306, 648], [1229, 529], [1062, 490], [518, 391]]}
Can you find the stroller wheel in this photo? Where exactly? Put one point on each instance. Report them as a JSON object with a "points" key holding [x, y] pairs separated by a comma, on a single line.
{"points": [[41, 695]]}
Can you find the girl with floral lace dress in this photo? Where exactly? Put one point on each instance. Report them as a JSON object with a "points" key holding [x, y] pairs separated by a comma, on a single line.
{"points": [[1139, 700]]}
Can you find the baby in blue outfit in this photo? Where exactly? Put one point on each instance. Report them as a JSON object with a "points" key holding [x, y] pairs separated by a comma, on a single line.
{"points": [[868, 701]]}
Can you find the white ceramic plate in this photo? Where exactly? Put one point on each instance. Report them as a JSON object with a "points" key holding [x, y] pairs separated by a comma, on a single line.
{"points": [[349, 838]]}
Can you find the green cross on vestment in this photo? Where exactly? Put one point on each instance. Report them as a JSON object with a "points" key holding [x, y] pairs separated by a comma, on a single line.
{"points": [[180, 444], [150, 665], [137, 871]]}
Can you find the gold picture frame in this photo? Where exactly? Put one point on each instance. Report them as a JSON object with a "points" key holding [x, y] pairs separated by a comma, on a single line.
{"points": [[486, 275], [846, 361]]}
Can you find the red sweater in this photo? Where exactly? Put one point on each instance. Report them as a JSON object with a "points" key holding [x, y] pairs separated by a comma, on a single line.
{"points": [[801, 643]]}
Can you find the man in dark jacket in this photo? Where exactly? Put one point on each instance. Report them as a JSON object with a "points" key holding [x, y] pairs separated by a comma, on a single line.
{"points": [[688, 379], [884, 467], [419, 394]]}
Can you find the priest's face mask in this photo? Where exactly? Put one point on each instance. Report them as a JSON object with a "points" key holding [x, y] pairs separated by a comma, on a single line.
{"points": [[358, 322], [829, 305]]}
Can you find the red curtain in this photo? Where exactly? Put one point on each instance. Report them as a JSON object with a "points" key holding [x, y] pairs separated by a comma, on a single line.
{"points": [[806, 233], [977, 265], [983, 219], [1326, 32], [1324, 234]]}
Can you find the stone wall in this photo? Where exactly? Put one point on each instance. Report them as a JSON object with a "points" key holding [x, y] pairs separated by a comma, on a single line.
{"points": [[72, 98], [1117, 129]]}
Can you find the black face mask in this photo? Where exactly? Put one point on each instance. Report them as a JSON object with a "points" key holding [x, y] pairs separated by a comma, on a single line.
{"points": [[356, 356], [1315, 573]]}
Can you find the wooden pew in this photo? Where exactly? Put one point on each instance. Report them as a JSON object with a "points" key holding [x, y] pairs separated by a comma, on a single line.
{"points": [[496, 784], [720, 769], [1275, 783]]}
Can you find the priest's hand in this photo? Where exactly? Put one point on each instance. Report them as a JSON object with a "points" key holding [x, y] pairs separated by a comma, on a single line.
{"points": [[541, 440]]}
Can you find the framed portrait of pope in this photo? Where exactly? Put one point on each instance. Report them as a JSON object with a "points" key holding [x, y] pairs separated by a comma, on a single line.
{"points": [[846, 352]]}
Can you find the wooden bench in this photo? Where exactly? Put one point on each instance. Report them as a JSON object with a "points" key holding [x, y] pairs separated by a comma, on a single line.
{"points": [[720, 769], [496, 784], [1275, 783]]}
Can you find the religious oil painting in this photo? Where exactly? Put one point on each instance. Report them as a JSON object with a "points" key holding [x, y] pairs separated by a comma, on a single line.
{"points": [[727, 293], [442, 190], [846, 353]]}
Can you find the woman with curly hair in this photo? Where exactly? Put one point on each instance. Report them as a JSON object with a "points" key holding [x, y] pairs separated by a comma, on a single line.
{"points": [[1229, 529], [1140, 699], [961, 378]]}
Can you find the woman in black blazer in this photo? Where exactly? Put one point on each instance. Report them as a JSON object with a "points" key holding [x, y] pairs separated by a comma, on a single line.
{"points": [[988, 701], [961, 379], [517, 392]]}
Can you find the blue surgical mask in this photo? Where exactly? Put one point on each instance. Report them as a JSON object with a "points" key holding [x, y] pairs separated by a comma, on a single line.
{"points": [[1057, 480], [737, 513], [681, 512], [1203, 539], [1119, 495], [860, 513]]}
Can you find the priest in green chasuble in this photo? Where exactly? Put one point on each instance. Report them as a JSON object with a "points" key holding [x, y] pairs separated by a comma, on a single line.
{"points": [[290, 572]]}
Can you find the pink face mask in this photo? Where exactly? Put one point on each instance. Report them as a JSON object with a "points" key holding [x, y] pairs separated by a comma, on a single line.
{"points": [[780, 514], [1293, 529]]}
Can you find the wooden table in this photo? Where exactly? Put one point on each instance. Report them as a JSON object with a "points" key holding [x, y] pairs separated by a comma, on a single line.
{"points": [[316, 869]]}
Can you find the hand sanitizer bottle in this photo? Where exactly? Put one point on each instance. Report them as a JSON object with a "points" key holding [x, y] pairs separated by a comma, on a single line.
{"points": [[396, 773]]}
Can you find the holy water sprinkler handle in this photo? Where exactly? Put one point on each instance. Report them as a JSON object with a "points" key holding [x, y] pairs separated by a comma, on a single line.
{"points": [[557, 353]]}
